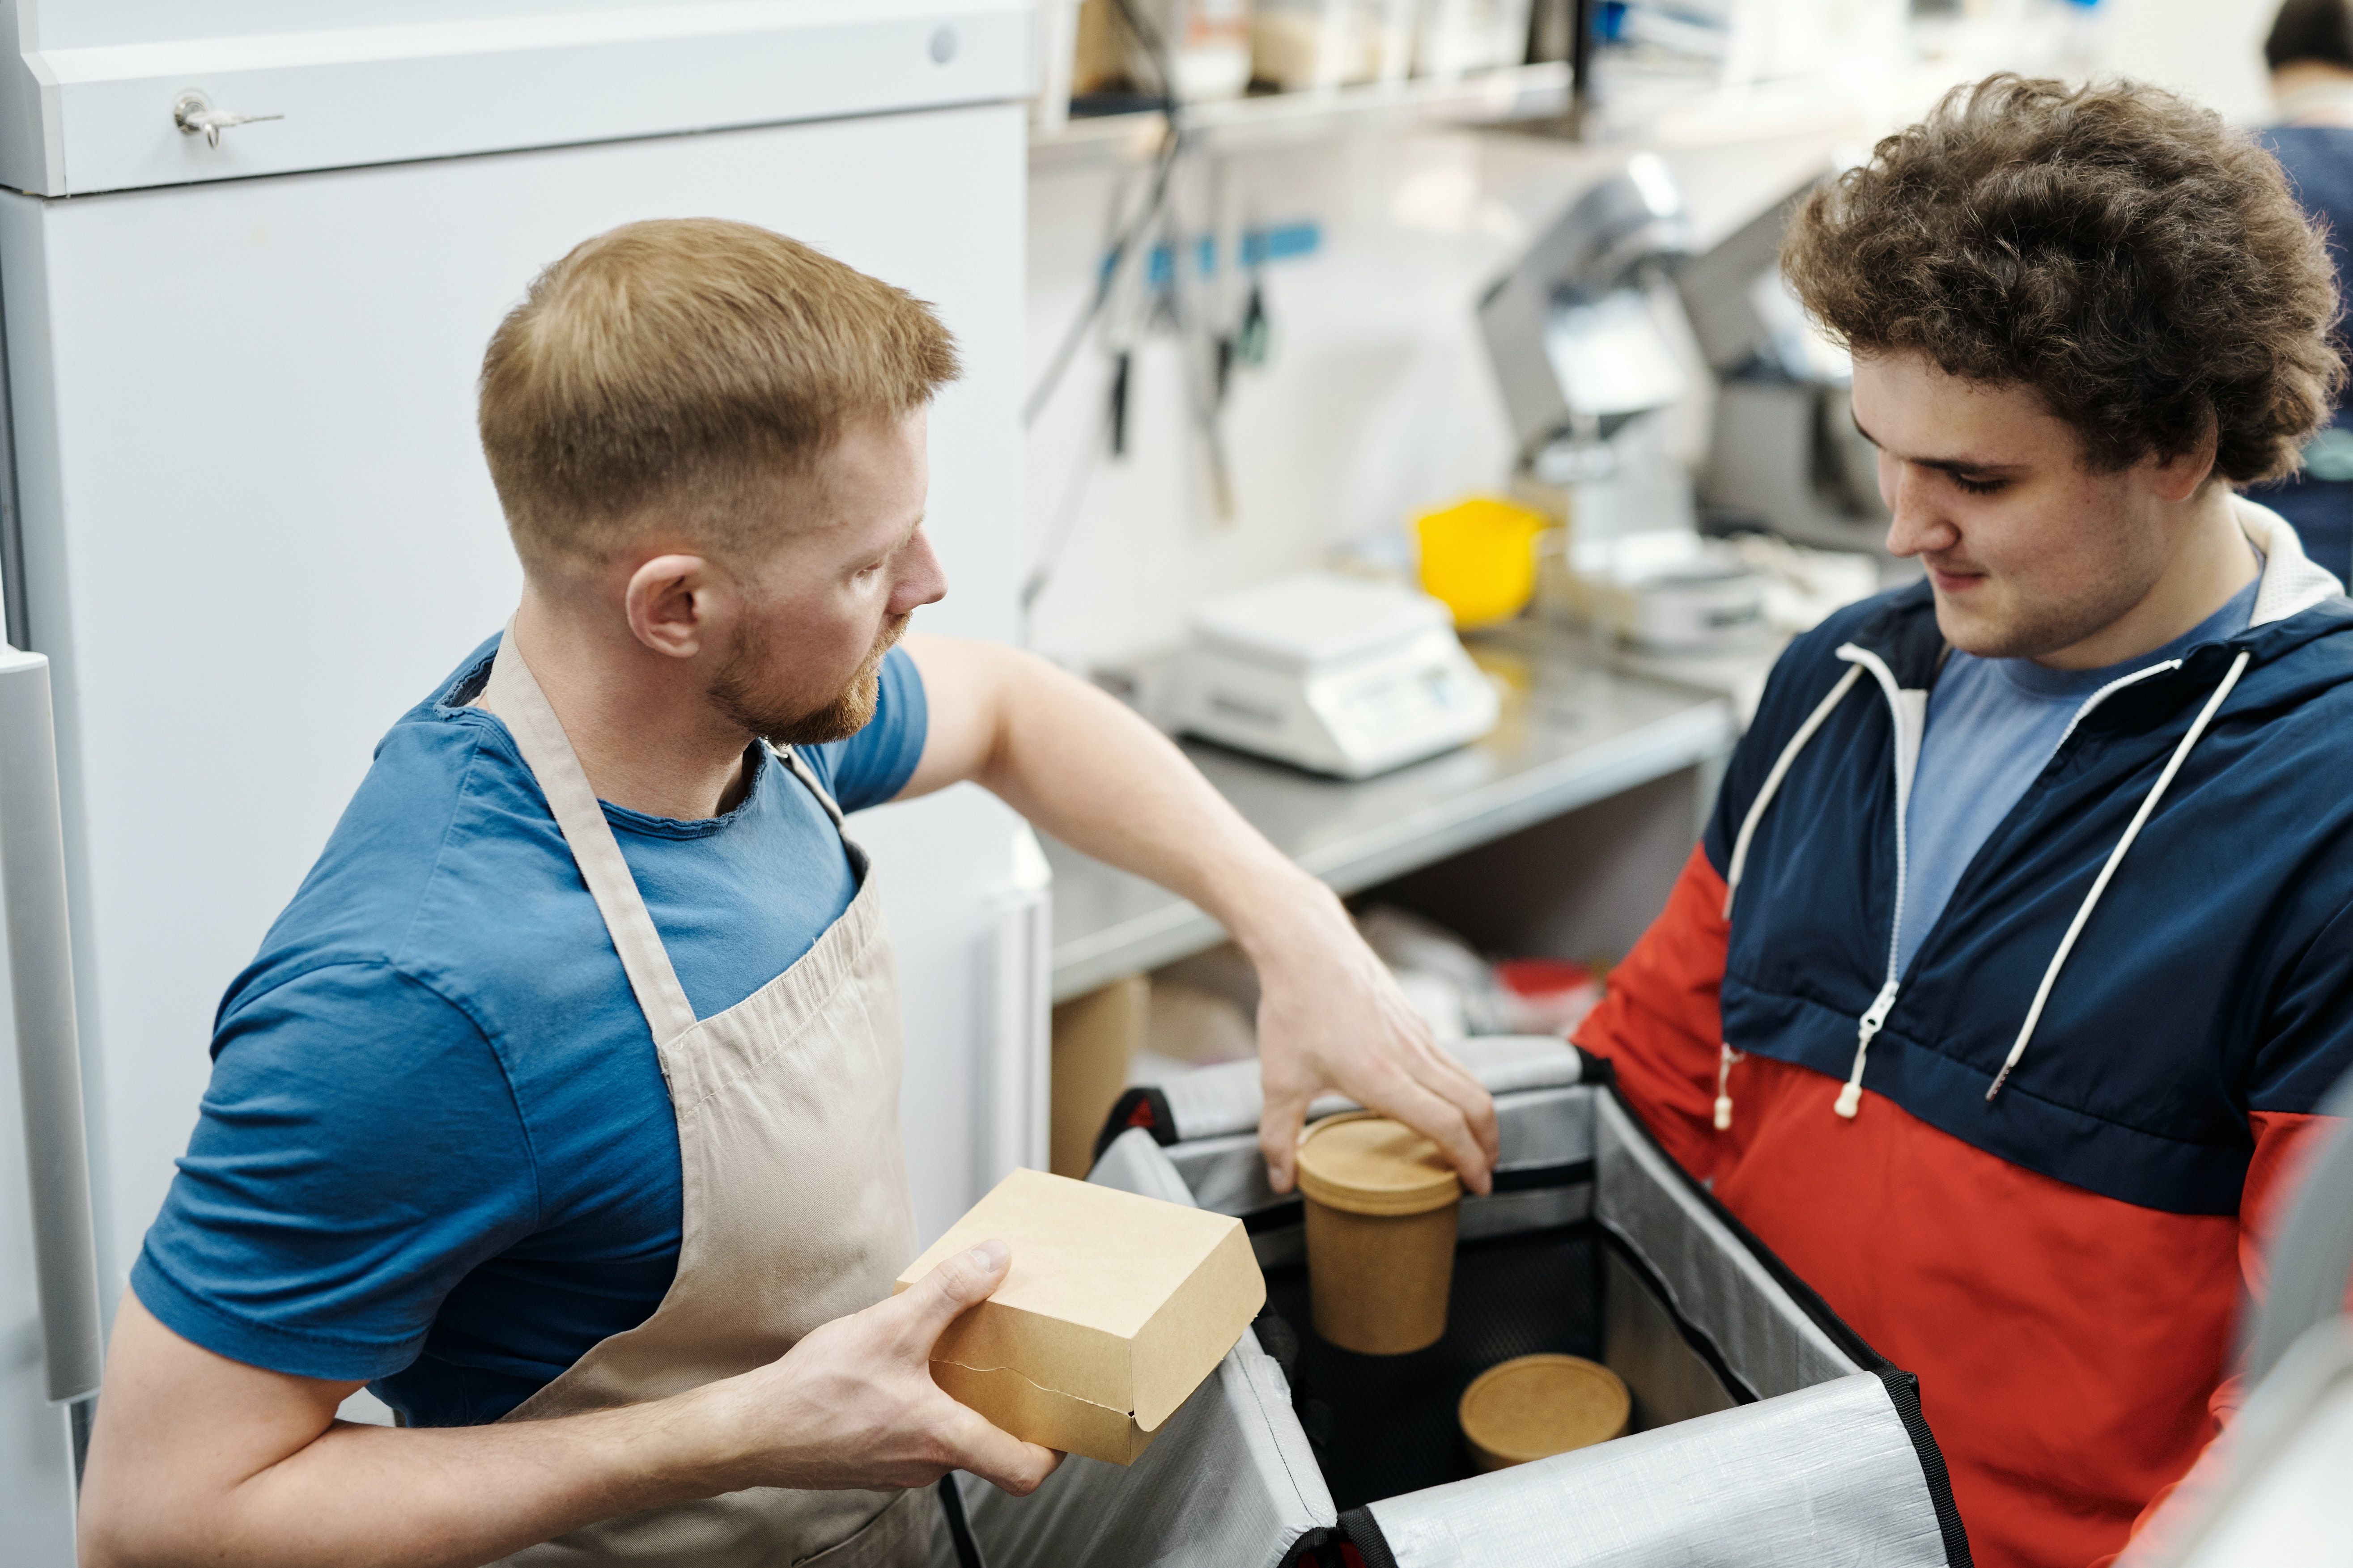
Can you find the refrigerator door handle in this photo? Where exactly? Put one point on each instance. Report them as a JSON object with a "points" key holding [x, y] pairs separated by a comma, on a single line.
{"points": [[49, 1056]]}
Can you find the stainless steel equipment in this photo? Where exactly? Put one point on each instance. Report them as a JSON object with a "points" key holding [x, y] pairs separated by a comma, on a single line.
{"points": [[1784, 451], [1578, 334], [1572, 329]]}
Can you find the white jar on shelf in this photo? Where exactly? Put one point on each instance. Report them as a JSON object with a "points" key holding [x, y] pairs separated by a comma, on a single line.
{"points": [[1303, 45], [1212, 46], [1209, 45], [1458, 37]]}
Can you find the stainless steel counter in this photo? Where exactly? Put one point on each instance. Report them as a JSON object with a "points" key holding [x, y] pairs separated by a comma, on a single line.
{"points": [[1572, 732]]}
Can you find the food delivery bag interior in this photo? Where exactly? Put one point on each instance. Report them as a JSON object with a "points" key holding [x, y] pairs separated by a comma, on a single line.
{"points": [[1764, 1430]]}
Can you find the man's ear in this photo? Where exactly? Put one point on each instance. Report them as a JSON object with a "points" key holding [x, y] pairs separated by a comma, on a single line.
{"points": [[673, 602], [2177, 478]]}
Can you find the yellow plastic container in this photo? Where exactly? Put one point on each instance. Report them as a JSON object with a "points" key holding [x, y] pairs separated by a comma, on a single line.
{"points": [[1479, 558]]}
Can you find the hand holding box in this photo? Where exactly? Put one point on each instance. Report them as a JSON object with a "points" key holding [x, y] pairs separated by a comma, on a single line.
{"points": [[1114, 1310]]}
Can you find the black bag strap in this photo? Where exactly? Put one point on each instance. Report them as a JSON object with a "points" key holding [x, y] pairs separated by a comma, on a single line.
{"points": [[967, 1549]]}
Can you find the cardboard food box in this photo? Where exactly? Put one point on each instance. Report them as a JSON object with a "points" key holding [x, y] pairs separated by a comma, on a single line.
{"points": [[1115, 1310]]}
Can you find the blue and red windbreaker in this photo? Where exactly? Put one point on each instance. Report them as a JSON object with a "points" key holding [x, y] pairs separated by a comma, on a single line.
{"points": [[2059, 1262]]}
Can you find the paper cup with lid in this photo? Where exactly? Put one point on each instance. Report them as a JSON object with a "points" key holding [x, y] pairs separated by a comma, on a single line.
{"points": [[1381, 1205], [1534, 1407]]}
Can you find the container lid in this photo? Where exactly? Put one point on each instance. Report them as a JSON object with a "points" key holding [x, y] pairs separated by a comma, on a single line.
{"points": [[1360, 1162], [1536, 1405]]}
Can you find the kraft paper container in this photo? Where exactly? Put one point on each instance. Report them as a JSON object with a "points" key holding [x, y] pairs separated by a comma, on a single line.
{"points": [[1115, 1310], [1381, 1209], [1095, 1037], [1533, 1406]]}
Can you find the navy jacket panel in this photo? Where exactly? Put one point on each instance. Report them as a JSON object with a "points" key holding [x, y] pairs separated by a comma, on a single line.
{"points": [[2211, 980]]}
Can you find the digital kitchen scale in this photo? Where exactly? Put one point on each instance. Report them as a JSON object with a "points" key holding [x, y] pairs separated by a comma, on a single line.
{"points": [[1337, 675]]}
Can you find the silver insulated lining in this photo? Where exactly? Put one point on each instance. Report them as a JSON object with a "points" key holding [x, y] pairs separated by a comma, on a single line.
{"points": [[1758, 1439], [1825, 1474], [1764, 1340]]}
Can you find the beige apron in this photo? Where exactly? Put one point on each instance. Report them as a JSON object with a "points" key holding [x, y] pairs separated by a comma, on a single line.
{"points": [[793, 1179]]}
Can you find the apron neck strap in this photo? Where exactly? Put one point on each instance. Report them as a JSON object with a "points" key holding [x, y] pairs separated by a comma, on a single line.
{"points": [[791, 757], [513, 694]]}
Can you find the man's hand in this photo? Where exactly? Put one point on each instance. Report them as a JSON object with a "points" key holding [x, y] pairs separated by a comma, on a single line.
{"points": [[1332, 1016], [1083, 765], [853, 1404]]}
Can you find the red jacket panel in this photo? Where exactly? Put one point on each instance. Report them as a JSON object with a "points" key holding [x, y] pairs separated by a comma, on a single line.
{"points": [[2067, 1344]]}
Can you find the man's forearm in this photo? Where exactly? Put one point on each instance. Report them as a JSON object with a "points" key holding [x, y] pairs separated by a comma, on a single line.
{"points": [[469, 1495], [369, 1495], [1084, 767], [201, 1459]]}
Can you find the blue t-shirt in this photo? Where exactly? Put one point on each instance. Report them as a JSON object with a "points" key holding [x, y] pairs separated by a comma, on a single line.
{"points": [[1993, 725], [437, 1152]]}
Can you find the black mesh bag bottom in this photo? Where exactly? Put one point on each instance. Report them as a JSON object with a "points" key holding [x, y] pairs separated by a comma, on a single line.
{"points": [[1383, 1426]]}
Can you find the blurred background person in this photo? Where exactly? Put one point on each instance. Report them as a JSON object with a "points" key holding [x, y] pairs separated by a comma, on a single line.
{"points": [[2310, 53]]}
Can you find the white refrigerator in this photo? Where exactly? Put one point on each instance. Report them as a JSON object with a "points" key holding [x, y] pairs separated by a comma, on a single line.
{"points": [[48, 1277], [248, 523]]}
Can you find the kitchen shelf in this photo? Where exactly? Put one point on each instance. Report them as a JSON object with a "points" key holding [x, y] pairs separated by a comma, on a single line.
{"points": [[1485, 97]]}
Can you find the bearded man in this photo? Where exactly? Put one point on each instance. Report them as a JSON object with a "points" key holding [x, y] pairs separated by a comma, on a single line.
{"points": [[561, 1105]]}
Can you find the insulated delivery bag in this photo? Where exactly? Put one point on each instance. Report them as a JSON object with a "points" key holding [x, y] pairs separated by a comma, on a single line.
{"points": [[1764, 1429]]}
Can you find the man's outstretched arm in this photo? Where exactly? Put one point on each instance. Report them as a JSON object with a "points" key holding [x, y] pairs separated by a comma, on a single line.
{"points": [[1085, 768], [197, 1459]]}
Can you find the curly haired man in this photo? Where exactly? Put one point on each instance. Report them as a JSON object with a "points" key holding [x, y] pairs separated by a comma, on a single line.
{"points": [[2013, 959]]}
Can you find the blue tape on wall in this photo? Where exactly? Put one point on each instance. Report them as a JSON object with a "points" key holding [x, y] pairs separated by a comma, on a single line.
{"points": [[1260, 247]]}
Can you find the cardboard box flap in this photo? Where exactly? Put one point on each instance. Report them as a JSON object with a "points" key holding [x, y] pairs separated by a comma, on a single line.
{"points": [[1191, 1334], [1124, 1302]]}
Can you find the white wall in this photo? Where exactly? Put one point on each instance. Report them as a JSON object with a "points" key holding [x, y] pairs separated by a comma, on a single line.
{"points": [[2212, 52], [1378, 402]]}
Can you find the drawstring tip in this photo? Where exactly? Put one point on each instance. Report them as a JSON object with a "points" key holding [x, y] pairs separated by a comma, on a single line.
{"points": [[1999, 1079], [1850, 1100], [1723, 1113]]}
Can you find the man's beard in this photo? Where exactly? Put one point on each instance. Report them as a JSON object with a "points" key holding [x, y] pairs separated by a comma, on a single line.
{"points": [[737, 692], [2048, 624]]}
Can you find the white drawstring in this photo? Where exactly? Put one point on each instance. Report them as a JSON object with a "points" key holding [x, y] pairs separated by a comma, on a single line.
{"points": [[1773, 782], [1724, 1087], [2116, 858], [1875, 1018], [1772, 785]]}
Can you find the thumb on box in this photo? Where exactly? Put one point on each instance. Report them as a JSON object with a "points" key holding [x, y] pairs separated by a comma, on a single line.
{"points": [[961, 1282]]}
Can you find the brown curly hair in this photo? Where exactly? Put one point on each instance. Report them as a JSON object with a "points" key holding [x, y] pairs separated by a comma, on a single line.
{"points": [[2112, 247]]}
